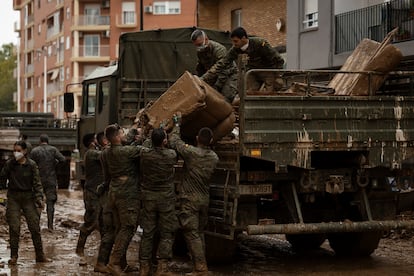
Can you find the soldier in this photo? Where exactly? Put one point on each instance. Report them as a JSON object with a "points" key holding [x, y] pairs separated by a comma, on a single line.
{"points": [[24, 137], [47, 157], [24, 195], [158, 203], [259, 54], [119, 165], [193, 193], [209, 53], [93, 178]]}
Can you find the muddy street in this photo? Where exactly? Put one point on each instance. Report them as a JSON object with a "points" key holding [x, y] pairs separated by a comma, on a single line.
{"points": [[259, 255]]}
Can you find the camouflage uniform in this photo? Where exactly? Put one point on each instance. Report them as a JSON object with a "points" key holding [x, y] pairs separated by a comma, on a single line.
{"points": [[24, 195], [158, 201], [93, 178], [193, 195], [46, 157], [260, 55], [119, 165], [225, 82]]}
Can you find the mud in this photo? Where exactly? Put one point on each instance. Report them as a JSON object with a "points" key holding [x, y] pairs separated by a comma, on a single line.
{"points": [[259, 255]]}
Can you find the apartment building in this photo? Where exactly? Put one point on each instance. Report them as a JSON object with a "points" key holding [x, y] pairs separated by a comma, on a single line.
{"points": [[62, 41], [322, 34]]}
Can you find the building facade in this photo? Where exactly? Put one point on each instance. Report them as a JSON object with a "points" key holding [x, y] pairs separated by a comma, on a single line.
{"points": [[264, 18], [322, 34], [62, 41]]}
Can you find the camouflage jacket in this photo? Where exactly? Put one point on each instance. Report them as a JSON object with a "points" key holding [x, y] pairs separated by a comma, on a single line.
{"points": [[93, 169], [120, 169], [261, 55], [214, 53], [22, 177], [199, 165], [157, 170], [46, 157]]}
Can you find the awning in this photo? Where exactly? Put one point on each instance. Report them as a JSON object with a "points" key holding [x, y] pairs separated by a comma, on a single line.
{"points": [[55, 74]]}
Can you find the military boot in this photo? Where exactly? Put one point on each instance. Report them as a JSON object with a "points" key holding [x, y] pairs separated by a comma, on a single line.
{"points": [[81, 243], [41, 258], [144, 267], [162, 269], [200, 269], [50, 215], [13, 257], [101, 267]]}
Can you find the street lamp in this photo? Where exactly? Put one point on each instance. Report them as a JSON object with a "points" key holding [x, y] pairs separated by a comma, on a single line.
{"points": [[44, 51]]}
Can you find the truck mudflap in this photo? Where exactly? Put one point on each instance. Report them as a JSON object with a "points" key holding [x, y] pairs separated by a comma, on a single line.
{"points": [[330, 227]]}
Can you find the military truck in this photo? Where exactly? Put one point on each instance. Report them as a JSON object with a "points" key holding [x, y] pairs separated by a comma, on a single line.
{"points": [[313, 166], [61, 132]]}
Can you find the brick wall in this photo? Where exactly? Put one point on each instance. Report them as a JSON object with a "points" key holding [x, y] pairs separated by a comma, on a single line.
{"points": [[258, 17]]}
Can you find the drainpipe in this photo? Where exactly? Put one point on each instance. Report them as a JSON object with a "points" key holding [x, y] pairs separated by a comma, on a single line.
{"points": [[141, 14]]}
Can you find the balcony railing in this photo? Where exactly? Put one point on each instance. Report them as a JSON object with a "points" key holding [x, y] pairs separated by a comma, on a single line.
{"points": [[53, 87], [87, 20], [374, 22], [29, 69], [53, 31], [93, 51]]}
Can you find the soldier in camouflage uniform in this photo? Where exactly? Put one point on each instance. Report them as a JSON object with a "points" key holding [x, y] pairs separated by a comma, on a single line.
{"points": [[259, 55], [209, 53], [193, 193], [93, 178], [120, 169], [24, 195], [158, 202], [47, 157]]}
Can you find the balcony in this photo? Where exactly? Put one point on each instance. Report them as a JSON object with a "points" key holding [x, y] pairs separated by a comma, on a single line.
{"points": [[374, 22], [54, 87], [91, 23], [29, 20], [91, 53], [28, 94], [29, 69], [29, 44], [53, 31]]}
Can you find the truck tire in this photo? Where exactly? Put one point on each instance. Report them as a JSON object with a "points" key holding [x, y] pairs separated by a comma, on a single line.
{"points": [[306, 241], [354, 244]]}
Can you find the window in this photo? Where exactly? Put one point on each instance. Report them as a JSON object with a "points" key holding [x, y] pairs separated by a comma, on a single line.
{"points": [[92, 14], [167, 7], [310, 14], [103, 95], [128, 13], [91, 47], [90, 99], [236, 18]]}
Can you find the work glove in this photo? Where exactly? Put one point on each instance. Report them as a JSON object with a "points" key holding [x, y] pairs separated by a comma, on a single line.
{"points": [[177, 118]]}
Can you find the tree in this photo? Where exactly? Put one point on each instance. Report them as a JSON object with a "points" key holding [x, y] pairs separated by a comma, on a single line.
{"points": [[8, 84]]}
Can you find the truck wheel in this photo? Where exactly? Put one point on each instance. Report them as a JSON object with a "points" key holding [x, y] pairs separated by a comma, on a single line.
{"points": [[306, 242], [354, 244], [220, 250]]}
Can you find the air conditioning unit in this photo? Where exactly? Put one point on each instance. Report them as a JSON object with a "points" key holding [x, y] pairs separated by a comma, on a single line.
{"points": [[105, 4], [106, 33], [148, 9]]}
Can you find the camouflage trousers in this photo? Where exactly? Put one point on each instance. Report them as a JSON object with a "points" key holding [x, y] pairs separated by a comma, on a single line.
{"points": [[92, 212], [193, 218], [125, 211], [158, 215], [18, 203]]}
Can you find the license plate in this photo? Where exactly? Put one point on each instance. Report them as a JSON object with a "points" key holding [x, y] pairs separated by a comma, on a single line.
{"points": [[263, 189]]}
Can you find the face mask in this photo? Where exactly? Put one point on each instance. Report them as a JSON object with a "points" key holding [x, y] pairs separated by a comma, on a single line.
{"points": [[18, 155], [204, 45], [201, 48], [244, 47]]}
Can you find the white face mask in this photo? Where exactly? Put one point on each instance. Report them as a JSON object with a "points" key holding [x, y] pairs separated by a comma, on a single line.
{"points": [[18, 155], [244, 47], [204, 45]]}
